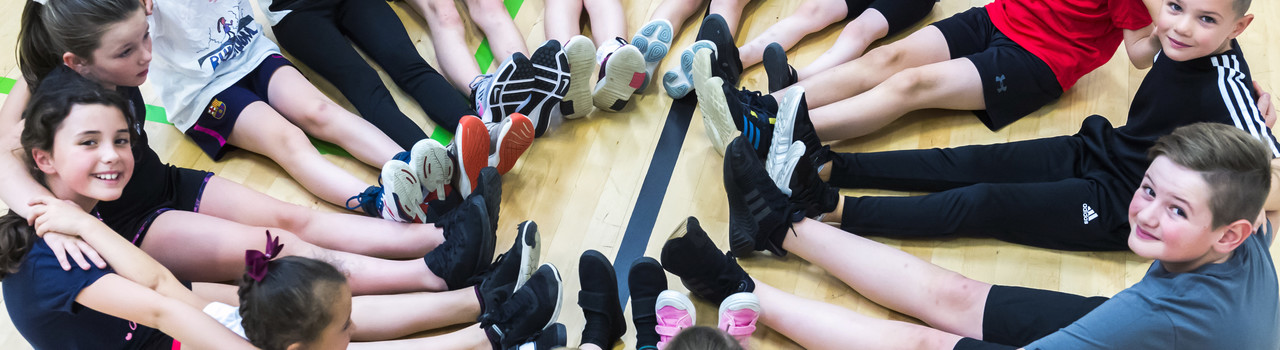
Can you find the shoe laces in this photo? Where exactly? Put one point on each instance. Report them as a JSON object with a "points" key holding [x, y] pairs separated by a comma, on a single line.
{"points": [[370, 195], [752, 101]]}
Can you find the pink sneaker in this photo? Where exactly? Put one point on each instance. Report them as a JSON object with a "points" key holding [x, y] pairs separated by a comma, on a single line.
{"points": [[675, 313], [738, 314]]}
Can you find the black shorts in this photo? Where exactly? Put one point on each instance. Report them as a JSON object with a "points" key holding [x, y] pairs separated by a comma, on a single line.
{"points": [[149, 194], [1015, 82], [1017, 316], [214, 127], [899, 13]]}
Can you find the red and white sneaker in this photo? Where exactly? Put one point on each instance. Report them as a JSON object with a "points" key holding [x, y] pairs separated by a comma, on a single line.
{"points": [[508, 140], [470, 149]]}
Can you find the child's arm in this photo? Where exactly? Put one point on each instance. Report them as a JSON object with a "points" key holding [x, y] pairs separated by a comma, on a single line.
{"points": [[17, 187], [116, 296], [1142, 46]]}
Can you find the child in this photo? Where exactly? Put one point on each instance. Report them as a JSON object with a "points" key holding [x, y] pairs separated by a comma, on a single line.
{"points": [[1003, 191], [1004, 61], [168, 212], [1196, 213]]}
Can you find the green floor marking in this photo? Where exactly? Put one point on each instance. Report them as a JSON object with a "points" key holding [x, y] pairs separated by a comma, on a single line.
{"points": [[484, 55], [6, 85]]}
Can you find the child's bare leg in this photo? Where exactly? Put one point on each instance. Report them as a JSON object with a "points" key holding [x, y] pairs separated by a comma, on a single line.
{"points": [[676, 11], [260, 129], [296, 99], [228, 200], [562, 19], [207, 249], [448, 38], [818, 325], [812, 16], [731, 10], [494, 20], [852, 42], [470, 338], [855, 77], [607, 20], [953, 84], [892, 278], [382, 317]]}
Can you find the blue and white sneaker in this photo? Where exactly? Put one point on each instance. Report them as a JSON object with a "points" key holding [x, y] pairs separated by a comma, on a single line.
{"points": [[679, 82], [654, 41], [398, 197]]}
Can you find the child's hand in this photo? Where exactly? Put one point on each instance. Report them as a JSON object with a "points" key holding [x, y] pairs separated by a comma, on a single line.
{"points": [[50, 214], [1265, 105], [63, 245]]}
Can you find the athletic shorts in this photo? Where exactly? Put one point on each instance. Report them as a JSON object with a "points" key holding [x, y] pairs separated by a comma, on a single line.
{"points": [[899, 13], [1015, 82], [1017, 316], [156, 192], [213, 128]]}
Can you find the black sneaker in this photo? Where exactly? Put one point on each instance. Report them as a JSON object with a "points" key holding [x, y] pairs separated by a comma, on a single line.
{"points": [[468, 245], [781, 74], [512, 269], [598, 298], [553, 337], [754, 116], [489, 186], [646, 280], [809, 192], [759, 213], [532, 308], [707, 272], [547, 89], [499, 94], [726, 65]]}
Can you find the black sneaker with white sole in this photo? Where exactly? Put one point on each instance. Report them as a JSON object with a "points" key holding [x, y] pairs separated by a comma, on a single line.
{"points": [[468, 245], [533, 307], [547, 89], [512, 269], [726, 63]]}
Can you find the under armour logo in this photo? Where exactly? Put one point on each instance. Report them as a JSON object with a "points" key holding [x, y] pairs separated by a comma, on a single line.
{"points": [[1089, 214], [1000, 80]]}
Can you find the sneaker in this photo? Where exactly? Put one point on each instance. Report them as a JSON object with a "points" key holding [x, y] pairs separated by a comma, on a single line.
{"points": [[738, 315], [499, 94], [621, 73], [716, 112], [532, 308], [512, 269], [653, 40], [548, 88], [489, 187], [470, 149], [781, 74], [401, 198], [807, 190], [551, 338], [727, 64], [468, 245], [646, 280], [783, 155], [598, 298], [754, 114], [675, 312], [581, 53], [508, 140], [430, 162], [679, 82], [707, 272], [759, 214]]}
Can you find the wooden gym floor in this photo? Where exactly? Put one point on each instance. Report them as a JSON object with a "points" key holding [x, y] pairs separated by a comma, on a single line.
{"points": [[581, 183]]}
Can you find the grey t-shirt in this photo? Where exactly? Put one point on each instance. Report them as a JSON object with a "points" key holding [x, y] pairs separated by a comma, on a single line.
{"points": [[1231, 305]]}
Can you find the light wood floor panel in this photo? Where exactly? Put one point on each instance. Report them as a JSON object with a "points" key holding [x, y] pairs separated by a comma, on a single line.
{"points": [[581, 182]]}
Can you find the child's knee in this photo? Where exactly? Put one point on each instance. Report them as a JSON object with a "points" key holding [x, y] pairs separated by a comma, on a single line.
{"points": [[486, 10], [884, 56], [443, 15], [821, 13], [955, 297], [911, 81]]}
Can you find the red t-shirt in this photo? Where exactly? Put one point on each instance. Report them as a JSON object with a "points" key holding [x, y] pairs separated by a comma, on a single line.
{"points": [[1073, 37]]}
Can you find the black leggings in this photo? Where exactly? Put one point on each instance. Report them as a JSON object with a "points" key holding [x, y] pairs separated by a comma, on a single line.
{"points": [[316, 36], [1052, 193]]}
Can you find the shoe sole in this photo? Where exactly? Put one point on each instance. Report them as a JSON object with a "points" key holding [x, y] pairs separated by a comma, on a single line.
{"points": [[654, 40], [399, 179], [510, 87], [431, 161], [780, 162], [529, 251], [551, 79], [582, 62], [472, 142], [674, 298], [559, 294], [671, 81], [513, 139], [623, 75], [713, 104]]}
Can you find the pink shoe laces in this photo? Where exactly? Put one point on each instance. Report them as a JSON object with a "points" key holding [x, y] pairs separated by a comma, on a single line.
{"points": [[739, 324], [670, 322]]}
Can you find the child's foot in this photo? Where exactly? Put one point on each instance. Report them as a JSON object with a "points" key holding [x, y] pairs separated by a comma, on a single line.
{"points": [[508, 140], [738, 315], [398, 196], [430, 162], [781, 74], [468, 245], [548, 88], [550, 338], [621, 73], [707, 272], [581, 53], [512, 269], [716, 109], [727, 64], [599, 301], [653, 40], [533, 307], [759, 214], [679, 82], [646, 280], [499, 94], [470, 148], [675, 313]]}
